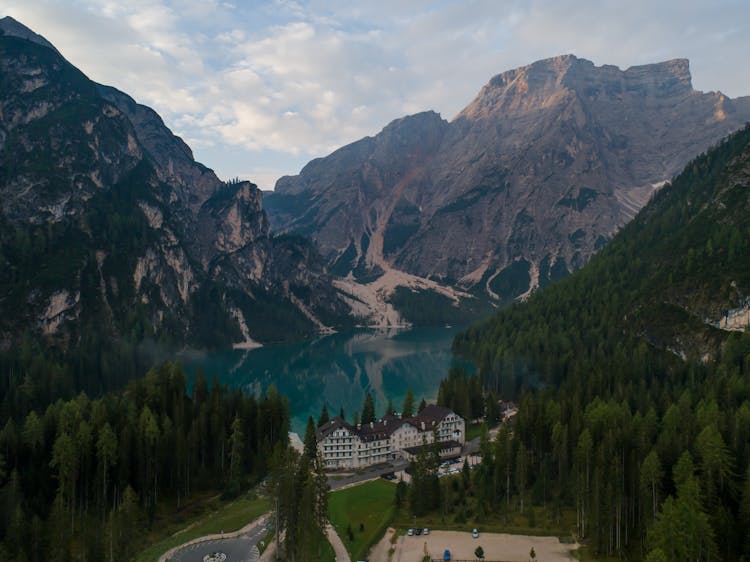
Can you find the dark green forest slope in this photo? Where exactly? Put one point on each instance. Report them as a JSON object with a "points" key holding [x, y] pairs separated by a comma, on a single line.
{"points": [[84, 479], [629, 392], [117, 246]]}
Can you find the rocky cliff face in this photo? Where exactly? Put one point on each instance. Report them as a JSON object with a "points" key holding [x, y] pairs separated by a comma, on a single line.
{"points": [[108, 224], [523, 186]]}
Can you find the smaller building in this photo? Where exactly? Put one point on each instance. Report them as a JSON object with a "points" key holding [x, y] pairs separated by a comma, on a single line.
{"points": [[447, 450], [507, 410], [338, 442]]}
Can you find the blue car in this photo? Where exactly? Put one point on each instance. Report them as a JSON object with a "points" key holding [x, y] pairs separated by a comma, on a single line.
{"points": [[447, 554]]}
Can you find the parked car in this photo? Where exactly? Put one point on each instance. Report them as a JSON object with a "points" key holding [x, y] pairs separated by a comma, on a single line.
{"points": [[418, 532], [447, 554], [410, 532], [426, 531], [475, 534]]}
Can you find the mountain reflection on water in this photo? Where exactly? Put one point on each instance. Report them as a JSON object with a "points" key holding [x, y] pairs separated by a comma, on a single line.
{"points": [[337, 370]]}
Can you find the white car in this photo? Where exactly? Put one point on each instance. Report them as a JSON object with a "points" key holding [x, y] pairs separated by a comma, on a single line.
{"points": [[410, 532], [426, 531], [475, 534]]}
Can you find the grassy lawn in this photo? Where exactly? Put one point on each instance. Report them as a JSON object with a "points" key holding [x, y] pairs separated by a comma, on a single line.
{"points": [[204, 517], [475, 429], [370, 504], [327, 555]]}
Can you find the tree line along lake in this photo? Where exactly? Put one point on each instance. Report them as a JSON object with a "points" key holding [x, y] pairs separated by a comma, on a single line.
{"points": [[337, 370]]}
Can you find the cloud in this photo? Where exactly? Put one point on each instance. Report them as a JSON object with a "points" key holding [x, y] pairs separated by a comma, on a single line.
{"points": [[266, 86]]}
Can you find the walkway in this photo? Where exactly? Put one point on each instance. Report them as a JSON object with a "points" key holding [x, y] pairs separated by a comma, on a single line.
{"points": [[338, 545]]}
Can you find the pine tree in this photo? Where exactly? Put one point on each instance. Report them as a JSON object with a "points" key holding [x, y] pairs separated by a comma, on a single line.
{"points": [[106, 453], [311, 442], [745, 514], [682, 530], [422, 405], [368, 410], [236, 444], [407, 410], [323, 419], [651, 475]]}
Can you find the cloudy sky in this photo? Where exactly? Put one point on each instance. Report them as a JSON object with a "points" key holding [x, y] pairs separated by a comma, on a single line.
{"points": [[259, 88]]}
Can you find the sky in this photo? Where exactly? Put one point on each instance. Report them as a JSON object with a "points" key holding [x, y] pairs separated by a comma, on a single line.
{"points": [[258, 89]]}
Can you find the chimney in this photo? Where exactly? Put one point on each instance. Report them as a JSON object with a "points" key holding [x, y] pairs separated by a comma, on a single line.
{"points": [[385, 422], [372, 424], [422, 426]]}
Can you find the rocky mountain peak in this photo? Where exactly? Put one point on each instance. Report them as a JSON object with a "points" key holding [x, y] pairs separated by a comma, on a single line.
{"points": [[542, 168], [14, 28], [130, 234], [665, 78], [523, 88], [545, 82]]}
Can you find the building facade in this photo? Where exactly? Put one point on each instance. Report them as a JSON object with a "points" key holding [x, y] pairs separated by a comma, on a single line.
{"points": [[343, 445]]}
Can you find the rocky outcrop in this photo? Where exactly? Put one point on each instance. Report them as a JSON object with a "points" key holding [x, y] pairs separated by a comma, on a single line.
{"points": [[524, 185], [109, 225]]}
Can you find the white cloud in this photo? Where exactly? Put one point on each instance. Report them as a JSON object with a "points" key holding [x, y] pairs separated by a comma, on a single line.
{"points": [[262, 87]]}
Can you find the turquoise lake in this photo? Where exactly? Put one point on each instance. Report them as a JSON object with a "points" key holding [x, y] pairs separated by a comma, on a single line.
{"points": [[337, 370]]}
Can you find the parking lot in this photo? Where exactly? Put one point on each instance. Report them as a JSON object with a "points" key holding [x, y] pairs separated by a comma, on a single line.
{"points": [[496, 546]]}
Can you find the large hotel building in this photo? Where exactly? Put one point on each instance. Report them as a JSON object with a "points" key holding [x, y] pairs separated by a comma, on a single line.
{"points": [[346, 446]]}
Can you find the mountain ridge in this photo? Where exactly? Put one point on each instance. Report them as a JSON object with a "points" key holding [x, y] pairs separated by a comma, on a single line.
{"points": [[125, 231], [542, 168]]}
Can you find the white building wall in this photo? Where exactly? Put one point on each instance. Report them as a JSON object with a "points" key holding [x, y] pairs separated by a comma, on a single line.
{"points": [[339, 449], [344, 449]]}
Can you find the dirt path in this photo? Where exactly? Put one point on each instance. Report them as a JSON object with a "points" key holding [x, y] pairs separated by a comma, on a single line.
{"points": [[338, 545], [381, 549], [496, 546]]}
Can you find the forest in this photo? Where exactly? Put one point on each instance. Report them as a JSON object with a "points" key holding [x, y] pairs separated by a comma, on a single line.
{"points": [[81, 479], [634, 409]]}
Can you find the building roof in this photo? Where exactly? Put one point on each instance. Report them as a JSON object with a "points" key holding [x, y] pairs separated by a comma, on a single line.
{"points": [[431, 415], [330, 426], [381, 429]]}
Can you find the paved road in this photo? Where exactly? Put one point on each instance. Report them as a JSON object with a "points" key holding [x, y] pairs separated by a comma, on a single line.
{"points": [[240, 549], [336, 481]]}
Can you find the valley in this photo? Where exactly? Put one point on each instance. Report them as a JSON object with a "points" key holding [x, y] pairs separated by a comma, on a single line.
{"points": [[557, 277]]}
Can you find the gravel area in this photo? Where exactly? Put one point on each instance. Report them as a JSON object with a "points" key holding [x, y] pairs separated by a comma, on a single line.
{"points": [[497, 546]]}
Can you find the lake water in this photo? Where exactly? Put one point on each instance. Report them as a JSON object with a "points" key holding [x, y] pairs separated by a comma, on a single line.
{"points": [[337, 370]]}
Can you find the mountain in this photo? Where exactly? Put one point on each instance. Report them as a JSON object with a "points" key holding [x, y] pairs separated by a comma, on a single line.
{"points": [[676, 279], [633, 378], [524, 185], [109, 229]]}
